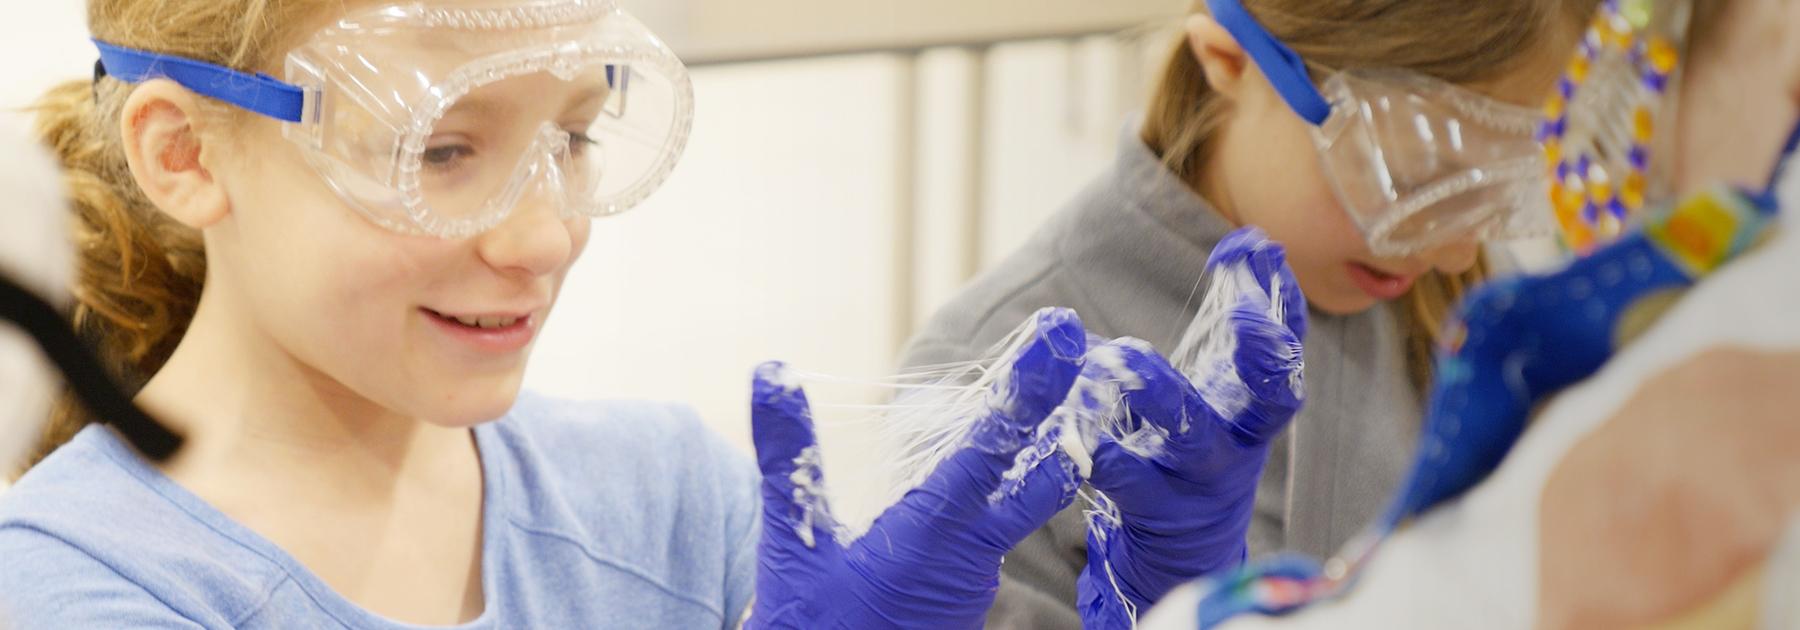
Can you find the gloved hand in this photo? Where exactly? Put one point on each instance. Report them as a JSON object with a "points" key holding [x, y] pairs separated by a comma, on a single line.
{"points": [[1183, 498], [1267, 262], [933, 559]]}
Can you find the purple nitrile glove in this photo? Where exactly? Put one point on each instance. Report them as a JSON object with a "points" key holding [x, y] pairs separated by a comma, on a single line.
{"points": [[1178, 504], [933, 559]]}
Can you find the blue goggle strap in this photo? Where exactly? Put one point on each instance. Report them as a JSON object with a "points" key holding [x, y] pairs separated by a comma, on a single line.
{"points": [[1285, 69], [259, 92]]}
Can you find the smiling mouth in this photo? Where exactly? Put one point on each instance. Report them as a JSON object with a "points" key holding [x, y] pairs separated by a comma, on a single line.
{"points": [[473, 321], [478, 322]]}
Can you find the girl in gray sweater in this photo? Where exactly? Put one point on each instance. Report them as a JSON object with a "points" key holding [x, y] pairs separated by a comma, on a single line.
{"points": [[1220, 147]]}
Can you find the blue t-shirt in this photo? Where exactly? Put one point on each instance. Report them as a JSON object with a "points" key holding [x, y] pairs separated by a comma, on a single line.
{"points": [[614, 515]]}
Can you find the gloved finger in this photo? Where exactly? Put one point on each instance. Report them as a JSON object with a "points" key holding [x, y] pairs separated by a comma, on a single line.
{"points": [[780, 421], [1156, 409], [1045, 482], [1236, 246], [1269, 360], [1152, 390], [1269, 264], [1034, 381], [1116, 468], [787, 453]]}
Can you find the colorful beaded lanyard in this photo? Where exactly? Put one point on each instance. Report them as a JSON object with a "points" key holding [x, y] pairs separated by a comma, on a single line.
{"points": [[1593, 191]]}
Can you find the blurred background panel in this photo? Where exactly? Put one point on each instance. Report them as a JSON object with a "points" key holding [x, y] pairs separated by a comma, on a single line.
{"points": [[725, 31]]}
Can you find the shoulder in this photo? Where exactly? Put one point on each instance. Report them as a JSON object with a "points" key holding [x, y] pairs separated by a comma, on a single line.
{"points": [[49, 583], [88, 540]]}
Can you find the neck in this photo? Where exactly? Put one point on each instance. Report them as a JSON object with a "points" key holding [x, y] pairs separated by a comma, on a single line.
{"points": [[245, 403], [383, 507]]}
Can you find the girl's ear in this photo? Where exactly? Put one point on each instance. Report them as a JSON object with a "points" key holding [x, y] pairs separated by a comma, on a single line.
{"points": [[161, 127], [1221, 58]]}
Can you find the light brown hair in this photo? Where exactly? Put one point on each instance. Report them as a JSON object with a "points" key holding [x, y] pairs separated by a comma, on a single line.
{"points": [[1457, 41], [140, 272]]}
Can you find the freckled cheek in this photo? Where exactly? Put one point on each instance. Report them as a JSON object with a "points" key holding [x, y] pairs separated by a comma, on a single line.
{"points": [[1323, 233], [395, 276], [1320, 267], [370, 303]]}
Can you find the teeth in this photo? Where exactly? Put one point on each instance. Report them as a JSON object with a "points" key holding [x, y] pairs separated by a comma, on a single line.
{"points": [[485, 322]]}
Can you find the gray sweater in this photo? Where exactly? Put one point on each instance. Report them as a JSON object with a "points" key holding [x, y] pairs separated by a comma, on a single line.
{"points": [[1126, 254]]}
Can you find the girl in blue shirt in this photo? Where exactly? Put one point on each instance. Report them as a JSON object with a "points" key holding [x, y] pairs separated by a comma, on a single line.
{"points": [[318, 239]]}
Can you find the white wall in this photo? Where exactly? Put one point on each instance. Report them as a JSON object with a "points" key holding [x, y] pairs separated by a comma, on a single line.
{"points": [[43, 42]]}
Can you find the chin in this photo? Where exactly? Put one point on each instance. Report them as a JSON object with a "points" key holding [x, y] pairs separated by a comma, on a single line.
{"points": [[1340, 299], [471, 403], [1344, 307]]}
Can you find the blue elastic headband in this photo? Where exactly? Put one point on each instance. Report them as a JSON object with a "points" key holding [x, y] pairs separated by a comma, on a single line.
{"points": [[1285, 69], [259, 93]]}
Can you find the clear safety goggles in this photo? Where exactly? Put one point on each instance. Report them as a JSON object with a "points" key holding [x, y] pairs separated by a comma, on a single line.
{"points": [[1417, 162], [441, 118]]}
